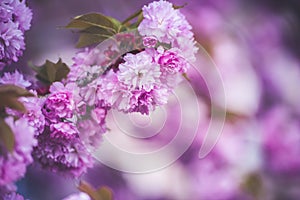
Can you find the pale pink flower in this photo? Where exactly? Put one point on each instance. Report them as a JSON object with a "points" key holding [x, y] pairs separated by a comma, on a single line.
{"points": [[139, 71], [164, 22]]}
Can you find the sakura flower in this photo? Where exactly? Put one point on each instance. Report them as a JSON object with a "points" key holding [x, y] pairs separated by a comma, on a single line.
{"points": [[34, 114], [142, 101], [13, 164], [62, 151], [15, 78], [149, 41], [90, 133], [187, 47], [21, 14], [172, 62], [65, 130], [164, 22], [139, 71], [12, 44], [15, 18], [60, 103]]}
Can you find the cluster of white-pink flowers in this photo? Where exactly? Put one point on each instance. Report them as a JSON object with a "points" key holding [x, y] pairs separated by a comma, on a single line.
{"points": [[143, 77]]}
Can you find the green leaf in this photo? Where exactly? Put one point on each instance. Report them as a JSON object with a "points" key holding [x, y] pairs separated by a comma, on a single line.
{"points": [[89, 39], [94, 19], [92, 35], [9, 97], [117, 23], [51, 72], [138, 16], [88, 189], [103, 193], [7, 137], [95, 28], [253, 185], [178, 7]]}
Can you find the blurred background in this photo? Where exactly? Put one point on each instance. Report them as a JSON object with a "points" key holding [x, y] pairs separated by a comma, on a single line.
{"points": [[255, 45]]}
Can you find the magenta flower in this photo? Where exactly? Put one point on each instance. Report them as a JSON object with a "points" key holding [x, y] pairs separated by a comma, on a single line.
{"points": [[13, 165], [142, 102], [60, 103], [172, 62], [62, 151], [149, 41]]}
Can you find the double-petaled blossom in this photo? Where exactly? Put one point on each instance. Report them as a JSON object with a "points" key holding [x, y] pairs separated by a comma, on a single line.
{"points": [[60, 103], [15, 78], [61, 150], [13, 164], [139, 71], [164, 22], [33, 105], [15, 19], [12, 43]]}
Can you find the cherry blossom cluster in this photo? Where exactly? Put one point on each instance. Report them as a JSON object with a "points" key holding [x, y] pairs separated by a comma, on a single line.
{"points": [[15, 19], [138, 71], [44, 133]]}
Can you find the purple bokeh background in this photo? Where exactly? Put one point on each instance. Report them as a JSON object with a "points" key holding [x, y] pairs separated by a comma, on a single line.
{"points": [[255, 46]]}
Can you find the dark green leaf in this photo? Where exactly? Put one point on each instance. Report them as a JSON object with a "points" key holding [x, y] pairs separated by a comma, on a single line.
{"points": [[86, 39], [9, 97], [95, 28], [94, 19], [14, 91], [7, 137], [51, 72]]}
